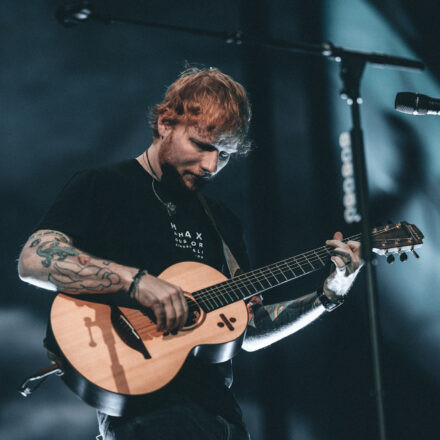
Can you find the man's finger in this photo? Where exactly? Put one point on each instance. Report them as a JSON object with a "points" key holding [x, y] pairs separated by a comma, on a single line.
{"points": [[337, 236], [339, 262], [185, 309], [159, 313], [335, 243], [170, 314], [354, 245], [180, 312], [184, 306], [346, 255]]}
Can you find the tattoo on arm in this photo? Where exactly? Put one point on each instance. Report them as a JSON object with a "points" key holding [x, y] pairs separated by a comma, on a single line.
{"points": [[52, 250], [272, 323], [35, 242], [275, 315], [57, 235], [70, 269], [275, 310], [72, 277], [260, 312]]}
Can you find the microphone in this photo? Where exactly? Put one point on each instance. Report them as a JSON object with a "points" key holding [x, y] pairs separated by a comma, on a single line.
{"points": [[417, 104]]}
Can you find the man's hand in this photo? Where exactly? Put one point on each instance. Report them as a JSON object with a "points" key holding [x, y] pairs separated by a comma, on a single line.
{"points": [[348, 263], [166, 300]]}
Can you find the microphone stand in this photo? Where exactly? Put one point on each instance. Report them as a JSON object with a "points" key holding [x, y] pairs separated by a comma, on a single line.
{"points": [[353, 64]]}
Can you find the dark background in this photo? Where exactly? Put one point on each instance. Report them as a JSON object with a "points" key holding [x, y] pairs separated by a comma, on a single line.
{"points": [[76, 98]]}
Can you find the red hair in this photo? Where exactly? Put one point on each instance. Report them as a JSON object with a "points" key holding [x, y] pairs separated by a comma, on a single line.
{"points": [[209, 99]]}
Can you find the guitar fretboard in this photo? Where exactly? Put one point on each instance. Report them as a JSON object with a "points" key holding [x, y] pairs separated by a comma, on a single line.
{"points": [[260, 280]]}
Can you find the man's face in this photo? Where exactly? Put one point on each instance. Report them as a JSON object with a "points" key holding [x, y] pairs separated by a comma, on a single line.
{"points": [[190, 158]]}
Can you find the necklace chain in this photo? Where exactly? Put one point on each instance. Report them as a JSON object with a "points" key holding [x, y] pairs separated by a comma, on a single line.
{"points": [[149, 164], [170, 206]]}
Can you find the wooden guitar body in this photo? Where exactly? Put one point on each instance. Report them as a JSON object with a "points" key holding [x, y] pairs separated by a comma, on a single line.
{"points": [[114, 357]]}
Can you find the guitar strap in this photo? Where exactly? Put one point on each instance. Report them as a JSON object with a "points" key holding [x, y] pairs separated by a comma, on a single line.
{"points": [[234, 267]]}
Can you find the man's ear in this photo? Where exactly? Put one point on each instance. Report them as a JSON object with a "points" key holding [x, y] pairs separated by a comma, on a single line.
{"points": [[163, 127]]}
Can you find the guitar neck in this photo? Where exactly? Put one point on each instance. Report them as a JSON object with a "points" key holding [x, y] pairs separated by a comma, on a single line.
{"points": [[265, 278]]}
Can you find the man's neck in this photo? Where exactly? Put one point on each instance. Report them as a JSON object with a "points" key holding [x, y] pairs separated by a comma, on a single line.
{"points": [[149, 161]]}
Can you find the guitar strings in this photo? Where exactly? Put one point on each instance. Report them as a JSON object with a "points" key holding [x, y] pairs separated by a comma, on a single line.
{"points": [[228, 288], [272, 270], [210, 292], [216, 292], [220, 291], [248, 279]]}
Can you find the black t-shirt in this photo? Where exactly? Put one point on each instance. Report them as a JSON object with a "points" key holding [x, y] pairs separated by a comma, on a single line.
{"points": [[113, 213]]}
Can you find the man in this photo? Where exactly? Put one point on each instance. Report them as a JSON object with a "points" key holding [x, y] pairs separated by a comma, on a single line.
{"points": [[115, 228]]}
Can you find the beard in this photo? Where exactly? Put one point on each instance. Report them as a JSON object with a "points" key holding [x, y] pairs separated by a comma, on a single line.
{"points": [[174, 181], [171, 178]]}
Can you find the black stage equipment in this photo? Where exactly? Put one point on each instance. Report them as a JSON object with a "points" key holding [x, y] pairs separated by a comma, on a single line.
{"points": [[417, 104], [352, 67]]}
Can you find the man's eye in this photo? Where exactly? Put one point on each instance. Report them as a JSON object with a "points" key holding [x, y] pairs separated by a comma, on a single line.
{"points": [[224, 155]]}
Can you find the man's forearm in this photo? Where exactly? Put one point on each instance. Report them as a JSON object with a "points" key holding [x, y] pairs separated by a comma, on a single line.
{"points": [[274, 322], [51, 261]]}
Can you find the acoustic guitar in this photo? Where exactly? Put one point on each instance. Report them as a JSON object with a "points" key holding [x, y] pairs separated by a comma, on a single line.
{"points": [[113, 357]]}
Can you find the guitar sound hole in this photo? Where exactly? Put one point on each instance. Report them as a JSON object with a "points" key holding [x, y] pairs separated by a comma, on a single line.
{"points": [[194, 313]]}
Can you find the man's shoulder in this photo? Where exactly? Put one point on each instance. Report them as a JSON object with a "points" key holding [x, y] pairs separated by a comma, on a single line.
{"points": [[110, 174], [122, 168]]}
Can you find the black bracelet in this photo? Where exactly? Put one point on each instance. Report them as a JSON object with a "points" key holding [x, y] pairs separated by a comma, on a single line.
{"points": [[328, 303], [133, 286]]}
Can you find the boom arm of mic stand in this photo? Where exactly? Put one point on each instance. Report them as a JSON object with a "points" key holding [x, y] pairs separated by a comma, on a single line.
{"points": [[70, 15], [374, 58]]}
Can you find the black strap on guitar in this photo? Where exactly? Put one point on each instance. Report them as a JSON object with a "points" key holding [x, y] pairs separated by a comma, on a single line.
{"points": [[233, 266]]}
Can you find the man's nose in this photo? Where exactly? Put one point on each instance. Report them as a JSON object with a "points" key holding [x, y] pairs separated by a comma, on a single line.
{"points": [[209, 162]]}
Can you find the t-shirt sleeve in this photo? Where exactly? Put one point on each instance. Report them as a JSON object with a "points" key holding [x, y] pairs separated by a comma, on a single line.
{"points": [[75, 211]]}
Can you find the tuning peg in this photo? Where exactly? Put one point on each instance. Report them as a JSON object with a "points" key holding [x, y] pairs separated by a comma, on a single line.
{"points": [[390, 258], [403, 257], [415, 253]]}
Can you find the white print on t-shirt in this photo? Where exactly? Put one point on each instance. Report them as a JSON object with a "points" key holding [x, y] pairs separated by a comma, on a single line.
{"points": [[188, 240]]}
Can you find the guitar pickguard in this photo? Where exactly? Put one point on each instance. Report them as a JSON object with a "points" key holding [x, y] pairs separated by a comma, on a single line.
{"points": [[127, 332]]}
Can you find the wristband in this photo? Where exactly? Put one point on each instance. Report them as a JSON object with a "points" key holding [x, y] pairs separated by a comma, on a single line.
{"points": [[328, 303], [133, 286]]}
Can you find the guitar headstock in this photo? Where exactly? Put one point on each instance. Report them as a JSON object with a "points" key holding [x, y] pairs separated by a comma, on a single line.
{"points": [[396, 238]]}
